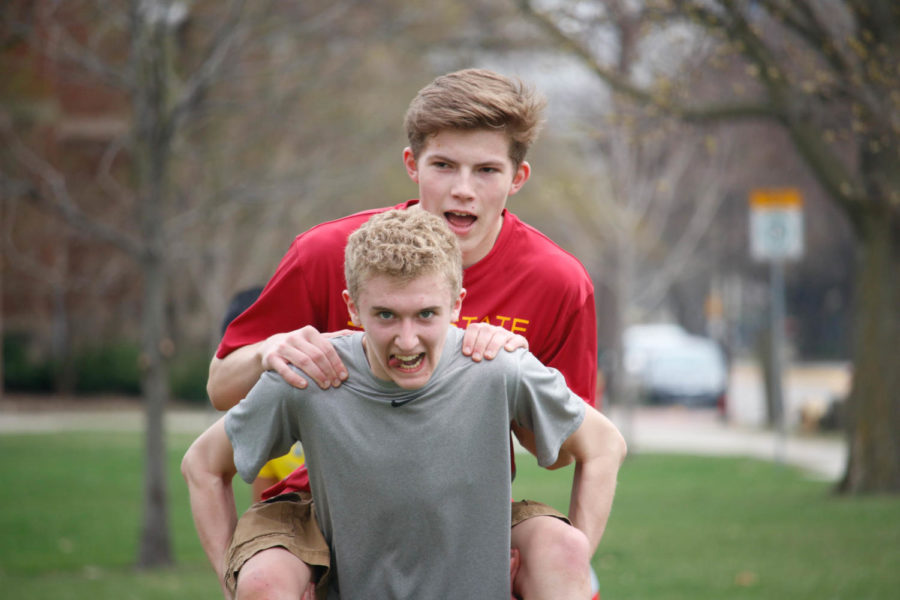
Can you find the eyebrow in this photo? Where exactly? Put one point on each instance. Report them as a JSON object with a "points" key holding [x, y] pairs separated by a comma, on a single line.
{"points": [[447, 159], [435, 308]]}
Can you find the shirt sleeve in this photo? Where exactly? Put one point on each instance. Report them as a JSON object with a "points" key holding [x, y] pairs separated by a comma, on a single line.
{"points": [[542, 403], [575, 350], [263, 425], [284, 305]]}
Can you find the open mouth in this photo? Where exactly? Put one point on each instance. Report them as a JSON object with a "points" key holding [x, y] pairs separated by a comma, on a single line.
{"points": [[409, 364], [459, 219]]}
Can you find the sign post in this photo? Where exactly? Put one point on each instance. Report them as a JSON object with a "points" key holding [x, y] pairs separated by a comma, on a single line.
{"points": [[776, 235]]}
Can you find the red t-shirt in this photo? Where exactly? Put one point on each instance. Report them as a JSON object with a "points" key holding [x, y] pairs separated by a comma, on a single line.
{"points": [[526, 284]]}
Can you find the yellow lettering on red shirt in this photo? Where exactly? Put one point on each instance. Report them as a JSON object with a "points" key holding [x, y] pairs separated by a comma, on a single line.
{"points": [[502, 321], [518, 325], [513, 324]]}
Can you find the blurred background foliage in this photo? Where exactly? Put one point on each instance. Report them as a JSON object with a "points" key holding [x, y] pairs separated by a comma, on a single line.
{"points": [[303, 123]]}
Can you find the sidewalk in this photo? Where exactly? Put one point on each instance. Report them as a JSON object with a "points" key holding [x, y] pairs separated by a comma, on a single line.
{"points": [[701, 432], [651, 429]]}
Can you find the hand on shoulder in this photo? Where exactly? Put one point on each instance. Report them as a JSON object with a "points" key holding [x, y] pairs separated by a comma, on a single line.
{"points": [[310, 351], [482, 340]]}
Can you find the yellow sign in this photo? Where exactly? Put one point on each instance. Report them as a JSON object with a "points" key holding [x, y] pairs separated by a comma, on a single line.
{"points": [[776, 198], [776, 224]]}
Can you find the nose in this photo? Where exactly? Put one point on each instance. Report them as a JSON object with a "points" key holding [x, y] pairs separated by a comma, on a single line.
{"points": [[407, 339], [462, 185]]}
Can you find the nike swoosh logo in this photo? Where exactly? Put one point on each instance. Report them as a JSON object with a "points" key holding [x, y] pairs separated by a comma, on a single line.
{"points": [[396, 403]]}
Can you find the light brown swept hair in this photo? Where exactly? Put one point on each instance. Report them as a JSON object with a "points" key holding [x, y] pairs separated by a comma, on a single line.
{"points": [[476, 99]]}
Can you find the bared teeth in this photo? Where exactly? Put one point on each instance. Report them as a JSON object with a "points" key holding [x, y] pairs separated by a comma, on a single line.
{"points": [[409, 361]]}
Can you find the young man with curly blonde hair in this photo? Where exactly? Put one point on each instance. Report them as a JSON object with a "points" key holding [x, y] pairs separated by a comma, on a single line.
{"points": [[408, 461]]}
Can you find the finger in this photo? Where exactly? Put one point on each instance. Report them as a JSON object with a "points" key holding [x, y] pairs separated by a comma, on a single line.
{"points": [[474, 341], [515, 342], [287, 373], [318, 359], [499, 338]]}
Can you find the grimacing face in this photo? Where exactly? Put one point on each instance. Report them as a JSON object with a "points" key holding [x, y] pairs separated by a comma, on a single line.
{"points": [[465, 177], [405, 325]]}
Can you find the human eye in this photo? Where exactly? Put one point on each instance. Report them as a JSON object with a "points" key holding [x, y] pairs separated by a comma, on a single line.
{"points": [[428, 313], [440, 164], [384, 315]]}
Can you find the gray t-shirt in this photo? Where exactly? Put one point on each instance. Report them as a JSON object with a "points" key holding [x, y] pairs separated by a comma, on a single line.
{"points": [[412, 487]]}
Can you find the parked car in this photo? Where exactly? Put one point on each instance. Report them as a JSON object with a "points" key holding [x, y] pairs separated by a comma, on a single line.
{"points": [[667, 365]]}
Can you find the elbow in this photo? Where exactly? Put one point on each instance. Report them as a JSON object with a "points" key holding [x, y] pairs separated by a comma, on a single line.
{"points": [[213, 390], [615, 445], [214, 397], [620, 447], [189, 465]]}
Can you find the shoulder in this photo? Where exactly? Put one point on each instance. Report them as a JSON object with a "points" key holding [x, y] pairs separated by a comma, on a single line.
{"points": [[535, 256], [334, 232], [322, 246], [346, 343]]}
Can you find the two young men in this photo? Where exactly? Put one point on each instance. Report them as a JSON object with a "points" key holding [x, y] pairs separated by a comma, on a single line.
{"points": [[468, 135], [408, 459]]}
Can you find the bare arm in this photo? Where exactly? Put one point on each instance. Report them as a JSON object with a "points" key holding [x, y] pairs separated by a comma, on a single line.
{"points": [[208, 467], [231, 378], [598, 450]]}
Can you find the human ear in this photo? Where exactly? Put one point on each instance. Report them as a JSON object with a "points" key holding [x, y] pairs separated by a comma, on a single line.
{"points": [[351, 308], [523, 172], [409, 161], [457, 306]]}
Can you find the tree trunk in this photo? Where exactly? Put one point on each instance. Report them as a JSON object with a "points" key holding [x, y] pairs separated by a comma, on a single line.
{"points": [[152, 63], [155, 548], [874, 404]]}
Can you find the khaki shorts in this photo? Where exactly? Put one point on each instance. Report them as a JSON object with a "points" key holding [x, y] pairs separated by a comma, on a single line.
{"points": [[289, 521]]}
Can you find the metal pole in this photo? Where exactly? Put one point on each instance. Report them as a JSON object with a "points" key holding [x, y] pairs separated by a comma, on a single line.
{"points": [[777, 354]]}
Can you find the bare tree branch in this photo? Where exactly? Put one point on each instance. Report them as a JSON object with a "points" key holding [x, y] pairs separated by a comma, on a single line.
{"points": [[78, 54], [217, 51], [60, 201], [619, 83]]}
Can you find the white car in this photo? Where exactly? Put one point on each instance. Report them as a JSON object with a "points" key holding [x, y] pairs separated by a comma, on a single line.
{"points": [[669, 365]]}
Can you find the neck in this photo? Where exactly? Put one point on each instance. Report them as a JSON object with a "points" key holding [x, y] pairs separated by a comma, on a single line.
{"points": [[470, 258]]}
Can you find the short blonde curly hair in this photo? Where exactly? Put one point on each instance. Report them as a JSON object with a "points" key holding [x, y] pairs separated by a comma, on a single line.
{"points": [[405, 244]]}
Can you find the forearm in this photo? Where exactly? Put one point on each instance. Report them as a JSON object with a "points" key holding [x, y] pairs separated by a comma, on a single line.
{"points": [[232, 377], [598, 450], [208, 468], [215, 517], [593, 489]]}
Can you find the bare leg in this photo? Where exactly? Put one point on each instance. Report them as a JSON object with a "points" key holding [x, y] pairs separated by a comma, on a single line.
{"points": [[273, 574], [554, 560]]}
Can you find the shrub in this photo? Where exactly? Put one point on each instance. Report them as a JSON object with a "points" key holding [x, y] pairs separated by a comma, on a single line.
{"points": [[25, 370], [188, 374], [110, 368]]}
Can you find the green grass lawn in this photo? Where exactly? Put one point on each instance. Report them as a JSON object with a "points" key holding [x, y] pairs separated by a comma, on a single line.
{"points": [[682, 527]]}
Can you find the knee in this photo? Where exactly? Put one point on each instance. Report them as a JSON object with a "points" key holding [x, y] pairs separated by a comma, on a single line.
{"points": [[269, 576], [259, 582], [568, 548], [253, 584], [557, 546]]}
